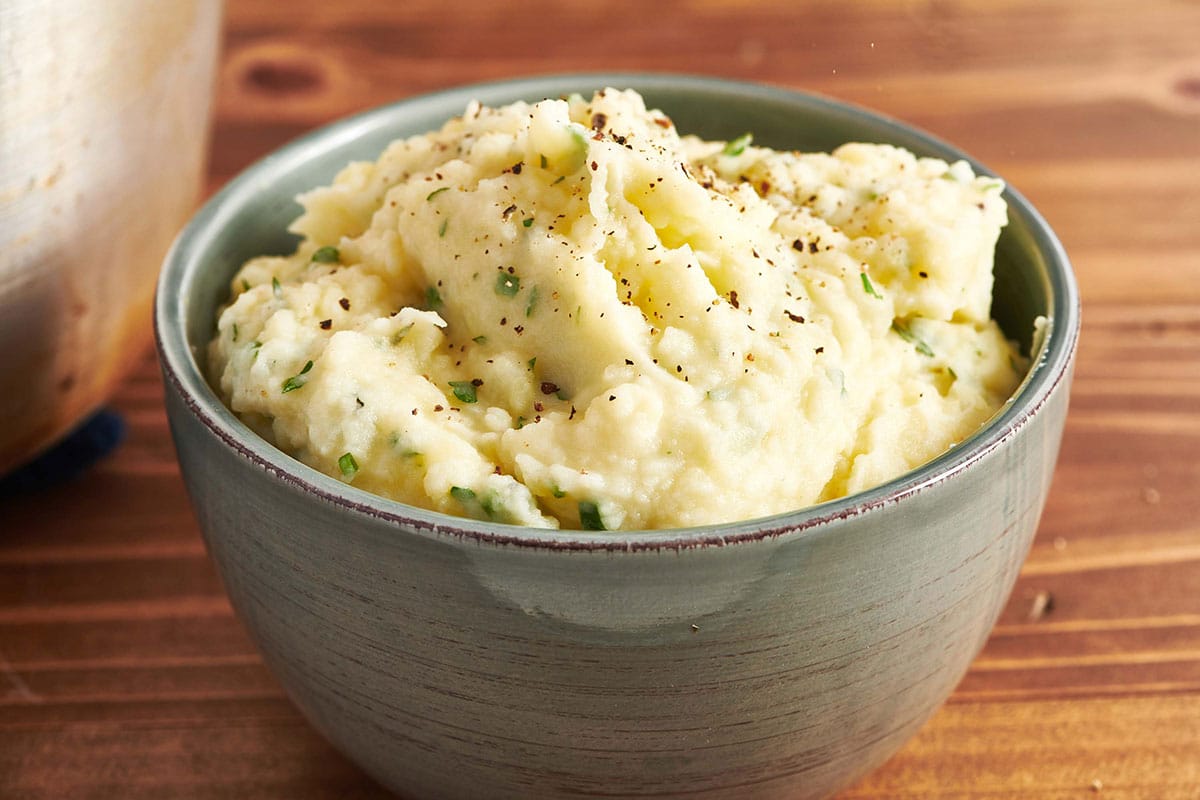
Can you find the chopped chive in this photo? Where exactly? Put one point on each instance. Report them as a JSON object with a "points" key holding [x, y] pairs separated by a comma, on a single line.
{"points": [[589, 516], [464, 391], [507, 285], [531, 362], [481, 339], [433, 298], [542, 160], [245, 285], [436, 192], [326, 255], [719, 393], [953, 374], [910, 337], [838, 379], [559, 180], [462, 494], [235, 332], [348, 465], [533, 298], [442, 228], [492, 507], [275, 287], [398, 337], [869, 287], [738, 146], [991, 186], [521, 421], [557, 492], [296, 381], [579, 152], [527, 221]]}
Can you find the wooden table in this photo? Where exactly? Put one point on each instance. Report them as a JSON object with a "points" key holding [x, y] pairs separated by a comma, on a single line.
{"points": [[124, 674]]}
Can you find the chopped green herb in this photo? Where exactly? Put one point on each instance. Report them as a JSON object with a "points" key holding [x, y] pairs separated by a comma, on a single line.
{"points": [[562, 395], [462, 494], [910, 337], [235, 331], [532, 362], [507, 285], [245, 285], [348, 465], [719, 393], [869, 287], [738, 146], [589, 516], [953, 374], [433, 298], [542, 160], [398, 337], [579, 151], [559, 180], [442, 228], [326, 255], [436, 192], [527, 221], [296, 381], [481, 339], [533, 298], [557, 492], [492, 506], [521, 422], [838, 379], [464, 391], [275, 287]]}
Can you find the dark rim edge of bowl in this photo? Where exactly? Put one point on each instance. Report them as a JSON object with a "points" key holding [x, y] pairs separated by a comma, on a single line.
{"points": [[179, 365]]}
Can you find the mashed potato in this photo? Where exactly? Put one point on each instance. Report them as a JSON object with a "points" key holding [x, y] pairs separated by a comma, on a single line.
{"points": [[565, 314]]}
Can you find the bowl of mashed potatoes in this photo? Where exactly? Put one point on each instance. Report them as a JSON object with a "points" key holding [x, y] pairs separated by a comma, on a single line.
{"points": [[617, 434]]}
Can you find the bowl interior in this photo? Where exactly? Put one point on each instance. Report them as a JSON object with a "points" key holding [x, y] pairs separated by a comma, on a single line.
{"points": [[250, 216]]}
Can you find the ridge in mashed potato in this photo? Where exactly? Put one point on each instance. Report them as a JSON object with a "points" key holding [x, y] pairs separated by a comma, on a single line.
{"points": [[566, 314]]}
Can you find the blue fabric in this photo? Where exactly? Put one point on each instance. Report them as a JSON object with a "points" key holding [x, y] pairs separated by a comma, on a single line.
{"points": [[95, 438]]}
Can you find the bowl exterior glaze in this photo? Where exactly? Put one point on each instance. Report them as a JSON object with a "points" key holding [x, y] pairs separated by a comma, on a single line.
{"points": [[782, 657]]}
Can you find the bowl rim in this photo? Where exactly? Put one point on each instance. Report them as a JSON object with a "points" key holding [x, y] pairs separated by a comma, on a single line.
{"points": [[180, 369]]}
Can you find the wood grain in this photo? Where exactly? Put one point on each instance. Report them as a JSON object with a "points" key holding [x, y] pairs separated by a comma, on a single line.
{"points": [[123, 672]]}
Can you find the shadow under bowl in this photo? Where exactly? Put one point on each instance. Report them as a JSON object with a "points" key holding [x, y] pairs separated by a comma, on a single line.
{"points": [[776, 657]]}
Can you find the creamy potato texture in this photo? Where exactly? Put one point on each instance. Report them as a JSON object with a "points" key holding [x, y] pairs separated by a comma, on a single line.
{"points": [[565, 314]]}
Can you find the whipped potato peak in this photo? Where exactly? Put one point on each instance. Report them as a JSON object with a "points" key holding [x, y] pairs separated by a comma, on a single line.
{"points": [[566, 314]]}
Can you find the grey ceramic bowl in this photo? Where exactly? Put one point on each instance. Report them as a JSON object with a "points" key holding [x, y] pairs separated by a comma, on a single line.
{"points": [[778, 657]]}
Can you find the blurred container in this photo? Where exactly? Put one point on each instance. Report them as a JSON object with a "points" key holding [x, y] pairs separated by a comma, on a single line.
{"points": [[103, 138]]}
